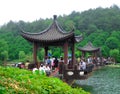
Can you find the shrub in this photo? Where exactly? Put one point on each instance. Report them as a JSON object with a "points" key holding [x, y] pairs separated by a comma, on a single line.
{"points": [[20, 81]]}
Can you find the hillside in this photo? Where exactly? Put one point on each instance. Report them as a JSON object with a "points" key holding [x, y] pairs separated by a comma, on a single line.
{"points": [[101, 26]]}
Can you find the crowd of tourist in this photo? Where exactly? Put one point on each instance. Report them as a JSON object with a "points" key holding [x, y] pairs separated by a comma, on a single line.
{"points": [[51, 64], [95, 61]]}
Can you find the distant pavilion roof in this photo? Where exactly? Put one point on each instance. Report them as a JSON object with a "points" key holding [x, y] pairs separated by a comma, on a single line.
{"points": [[53, 34], [89, 48]]}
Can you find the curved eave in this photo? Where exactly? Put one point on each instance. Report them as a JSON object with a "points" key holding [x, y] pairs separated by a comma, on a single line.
{"points": [[53, 33], [78, 38], [49, 38], [88, 49]]}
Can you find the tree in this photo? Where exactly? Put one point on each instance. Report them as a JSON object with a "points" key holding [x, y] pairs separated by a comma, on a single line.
{"points": [[21, 55], [114, 53], [78, 53], [69, 25], [116, 34], [3, 50], [29, 57], [105, 51], [41, 54], [112, 43], [91, 28], [3, 45], [101, 26], [4, 55]]}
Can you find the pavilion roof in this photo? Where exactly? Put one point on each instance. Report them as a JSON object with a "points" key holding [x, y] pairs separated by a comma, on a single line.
{"points": [[52, 34], [89, 48]]}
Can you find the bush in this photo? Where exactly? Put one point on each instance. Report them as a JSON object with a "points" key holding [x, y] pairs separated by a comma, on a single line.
{"points": [[20, 81]]}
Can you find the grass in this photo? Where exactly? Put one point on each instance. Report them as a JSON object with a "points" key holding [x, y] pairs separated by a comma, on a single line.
{"points": [[103, 81]]}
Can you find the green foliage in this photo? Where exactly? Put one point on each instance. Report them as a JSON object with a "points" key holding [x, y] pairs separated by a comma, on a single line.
{"points": [[77, 32], [4, 55], [41, 54], [29, 57], [3, 50], [21, 55], [19, 81], [101, 26], [112, 42], [101, 38], [114, 53], [3, 45], [78, 53], [115, 34], [56, 52], [69, 25], [105, 51]]}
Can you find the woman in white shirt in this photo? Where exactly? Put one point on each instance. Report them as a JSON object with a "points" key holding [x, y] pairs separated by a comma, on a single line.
{"points": [[82, 65]]}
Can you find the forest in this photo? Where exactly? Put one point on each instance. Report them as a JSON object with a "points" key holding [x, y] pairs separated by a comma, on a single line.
{"points": [[101, 26]]}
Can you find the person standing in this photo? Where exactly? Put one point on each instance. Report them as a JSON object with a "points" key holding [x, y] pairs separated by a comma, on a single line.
{"points": [[82, 65], [56, 63]]}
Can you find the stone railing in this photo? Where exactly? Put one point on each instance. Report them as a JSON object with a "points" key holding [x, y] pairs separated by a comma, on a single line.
{"points": [[77, 74]]}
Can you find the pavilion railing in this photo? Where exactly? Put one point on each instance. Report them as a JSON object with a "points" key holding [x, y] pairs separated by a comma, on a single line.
{"points": [[77, 74]]}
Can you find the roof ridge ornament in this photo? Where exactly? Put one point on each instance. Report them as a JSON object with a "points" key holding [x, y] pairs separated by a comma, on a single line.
{"points": [[55, 17]]}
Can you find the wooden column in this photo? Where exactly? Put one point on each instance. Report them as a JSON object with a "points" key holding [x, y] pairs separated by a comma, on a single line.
{"points": [[73, 54], [46, 52], [35, 54], [65, 52], [83, 54], [94, 54]]}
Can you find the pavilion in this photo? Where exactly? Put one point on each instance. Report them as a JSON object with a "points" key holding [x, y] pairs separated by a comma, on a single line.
{"points": [[52, 36], [89, 48]]}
